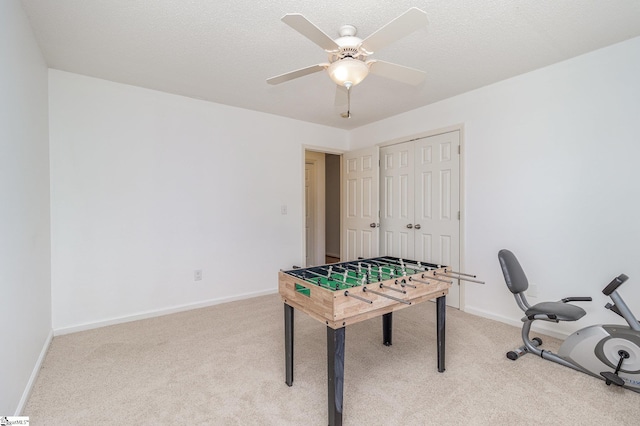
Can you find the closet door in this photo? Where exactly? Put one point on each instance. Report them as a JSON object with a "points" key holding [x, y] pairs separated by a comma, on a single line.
{"points": [[397, 200], [437, 203], [420, 202]]}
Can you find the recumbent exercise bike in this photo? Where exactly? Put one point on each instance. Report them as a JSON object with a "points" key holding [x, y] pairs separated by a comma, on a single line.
{"points": [[609, 352]]}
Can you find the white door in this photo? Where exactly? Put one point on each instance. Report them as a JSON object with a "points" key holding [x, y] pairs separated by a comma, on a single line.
{"points": [[420, 202], [436, 223], [314, 207], [360, 221], [397, 200]]}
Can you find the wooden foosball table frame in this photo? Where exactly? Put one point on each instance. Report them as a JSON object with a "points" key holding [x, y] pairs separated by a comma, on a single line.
{"points": [[346, 293]]}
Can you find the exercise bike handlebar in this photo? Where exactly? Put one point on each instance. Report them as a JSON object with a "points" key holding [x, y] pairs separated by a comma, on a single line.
{"points": [[614, 284], [577, 299]]}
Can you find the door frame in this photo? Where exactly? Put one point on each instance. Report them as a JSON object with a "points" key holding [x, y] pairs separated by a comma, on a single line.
{"points": [[320, 207], [456, 127]]}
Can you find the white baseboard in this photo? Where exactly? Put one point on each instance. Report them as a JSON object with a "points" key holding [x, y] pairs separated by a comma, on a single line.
{"points": [[158, 313], [34, 375], [539, 328]]}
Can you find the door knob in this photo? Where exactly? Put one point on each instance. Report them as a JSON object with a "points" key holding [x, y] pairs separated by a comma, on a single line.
{"points": [[418, 226], [372, 225], [409, 226]]}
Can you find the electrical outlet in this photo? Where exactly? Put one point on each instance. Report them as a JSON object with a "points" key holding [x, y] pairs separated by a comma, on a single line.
{"points": [[197, 275], [532, 291], [283, 209]]}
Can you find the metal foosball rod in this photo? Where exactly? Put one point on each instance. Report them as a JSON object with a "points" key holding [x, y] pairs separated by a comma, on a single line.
{"points": [[331, 271], [449, 271], [320, 284], [460, 278], [346, 293], [360, 275], [394, 289], [383, 264], [378, 262], [365, 289], [318, 275], [400, 262], [371, 267], [412, 279], [352, 269], [411, 265], [404, 283], [303, 278], [379, 267], [344, 279]]}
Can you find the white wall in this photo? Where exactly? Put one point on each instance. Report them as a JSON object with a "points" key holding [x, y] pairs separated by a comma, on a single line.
{"points": [[25, 274], [146, 187], [551, 172]]}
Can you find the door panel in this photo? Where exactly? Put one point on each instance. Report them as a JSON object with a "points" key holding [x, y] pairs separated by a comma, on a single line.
{"points": [[424, 203], [439, 168], [361, 204], [424, 245], [397, 199]]}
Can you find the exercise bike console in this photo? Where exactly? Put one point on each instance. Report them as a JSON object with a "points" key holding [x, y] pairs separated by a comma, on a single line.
{"points": [[608, 352]]}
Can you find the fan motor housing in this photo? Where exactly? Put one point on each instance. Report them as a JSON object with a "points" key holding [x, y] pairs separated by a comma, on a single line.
{"points": [[349, 48]]}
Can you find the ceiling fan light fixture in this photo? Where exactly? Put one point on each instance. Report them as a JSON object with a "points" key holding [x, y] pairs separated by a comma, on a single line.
{"points": [[348, 72]]}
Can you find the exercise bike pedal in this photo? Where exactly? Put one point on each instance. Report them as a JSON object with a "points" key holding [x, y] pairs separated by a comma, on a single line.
{"points": [[513, 355], [517, 353], [610, 377]]}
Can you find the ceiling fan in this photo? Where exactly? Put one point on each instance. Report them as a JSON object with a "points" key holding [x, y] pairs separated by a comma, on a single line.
{"points": [[348, 55]]}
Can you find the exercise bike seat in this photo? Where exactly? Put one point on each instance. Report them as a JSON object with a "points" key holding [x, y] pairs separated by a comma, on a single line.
{"points": [[517, 282], [561, 311]]}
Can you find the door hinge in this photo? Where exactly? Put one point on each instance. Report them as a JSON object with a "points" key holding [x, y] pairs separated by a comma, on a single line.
{"points": [[458, 149], [458, 214]]}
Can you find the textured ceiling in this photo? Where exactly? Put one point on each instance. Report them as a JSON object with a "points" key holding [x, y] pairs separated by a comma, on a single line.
{"points": [[224, 50]]}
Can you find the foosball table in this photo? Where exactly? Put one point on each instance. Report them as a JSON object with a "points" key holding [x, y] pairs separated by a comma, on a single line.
{"points": [[346, 293]]}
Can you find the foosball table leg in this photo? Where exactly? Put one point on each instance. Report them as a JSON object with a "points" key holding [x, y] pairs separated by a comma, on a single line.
{"points": [[441, 306], [387, 328], [288, 343], [335, 370]]}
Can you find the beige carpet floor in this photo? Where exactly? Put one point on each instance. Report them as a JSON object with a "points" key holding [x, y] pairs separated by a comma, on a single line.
{"points": [[224, 365]]}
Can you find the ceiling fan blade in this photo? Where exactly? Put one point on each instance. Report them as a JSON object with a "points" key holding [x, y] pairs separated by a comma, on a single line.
{"points": [[295, 74], [396, 72], [410, 21], [310, 31]]}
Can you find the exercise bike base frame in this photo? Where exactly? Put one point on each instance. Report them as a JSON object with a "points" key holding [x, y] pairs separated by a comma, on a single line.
{"points": [[573, 354]]}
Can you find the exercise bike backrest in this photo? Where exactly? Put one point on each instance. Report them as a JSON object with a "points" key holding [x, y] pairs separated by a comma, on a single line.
{"points": [[514, 277]]}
